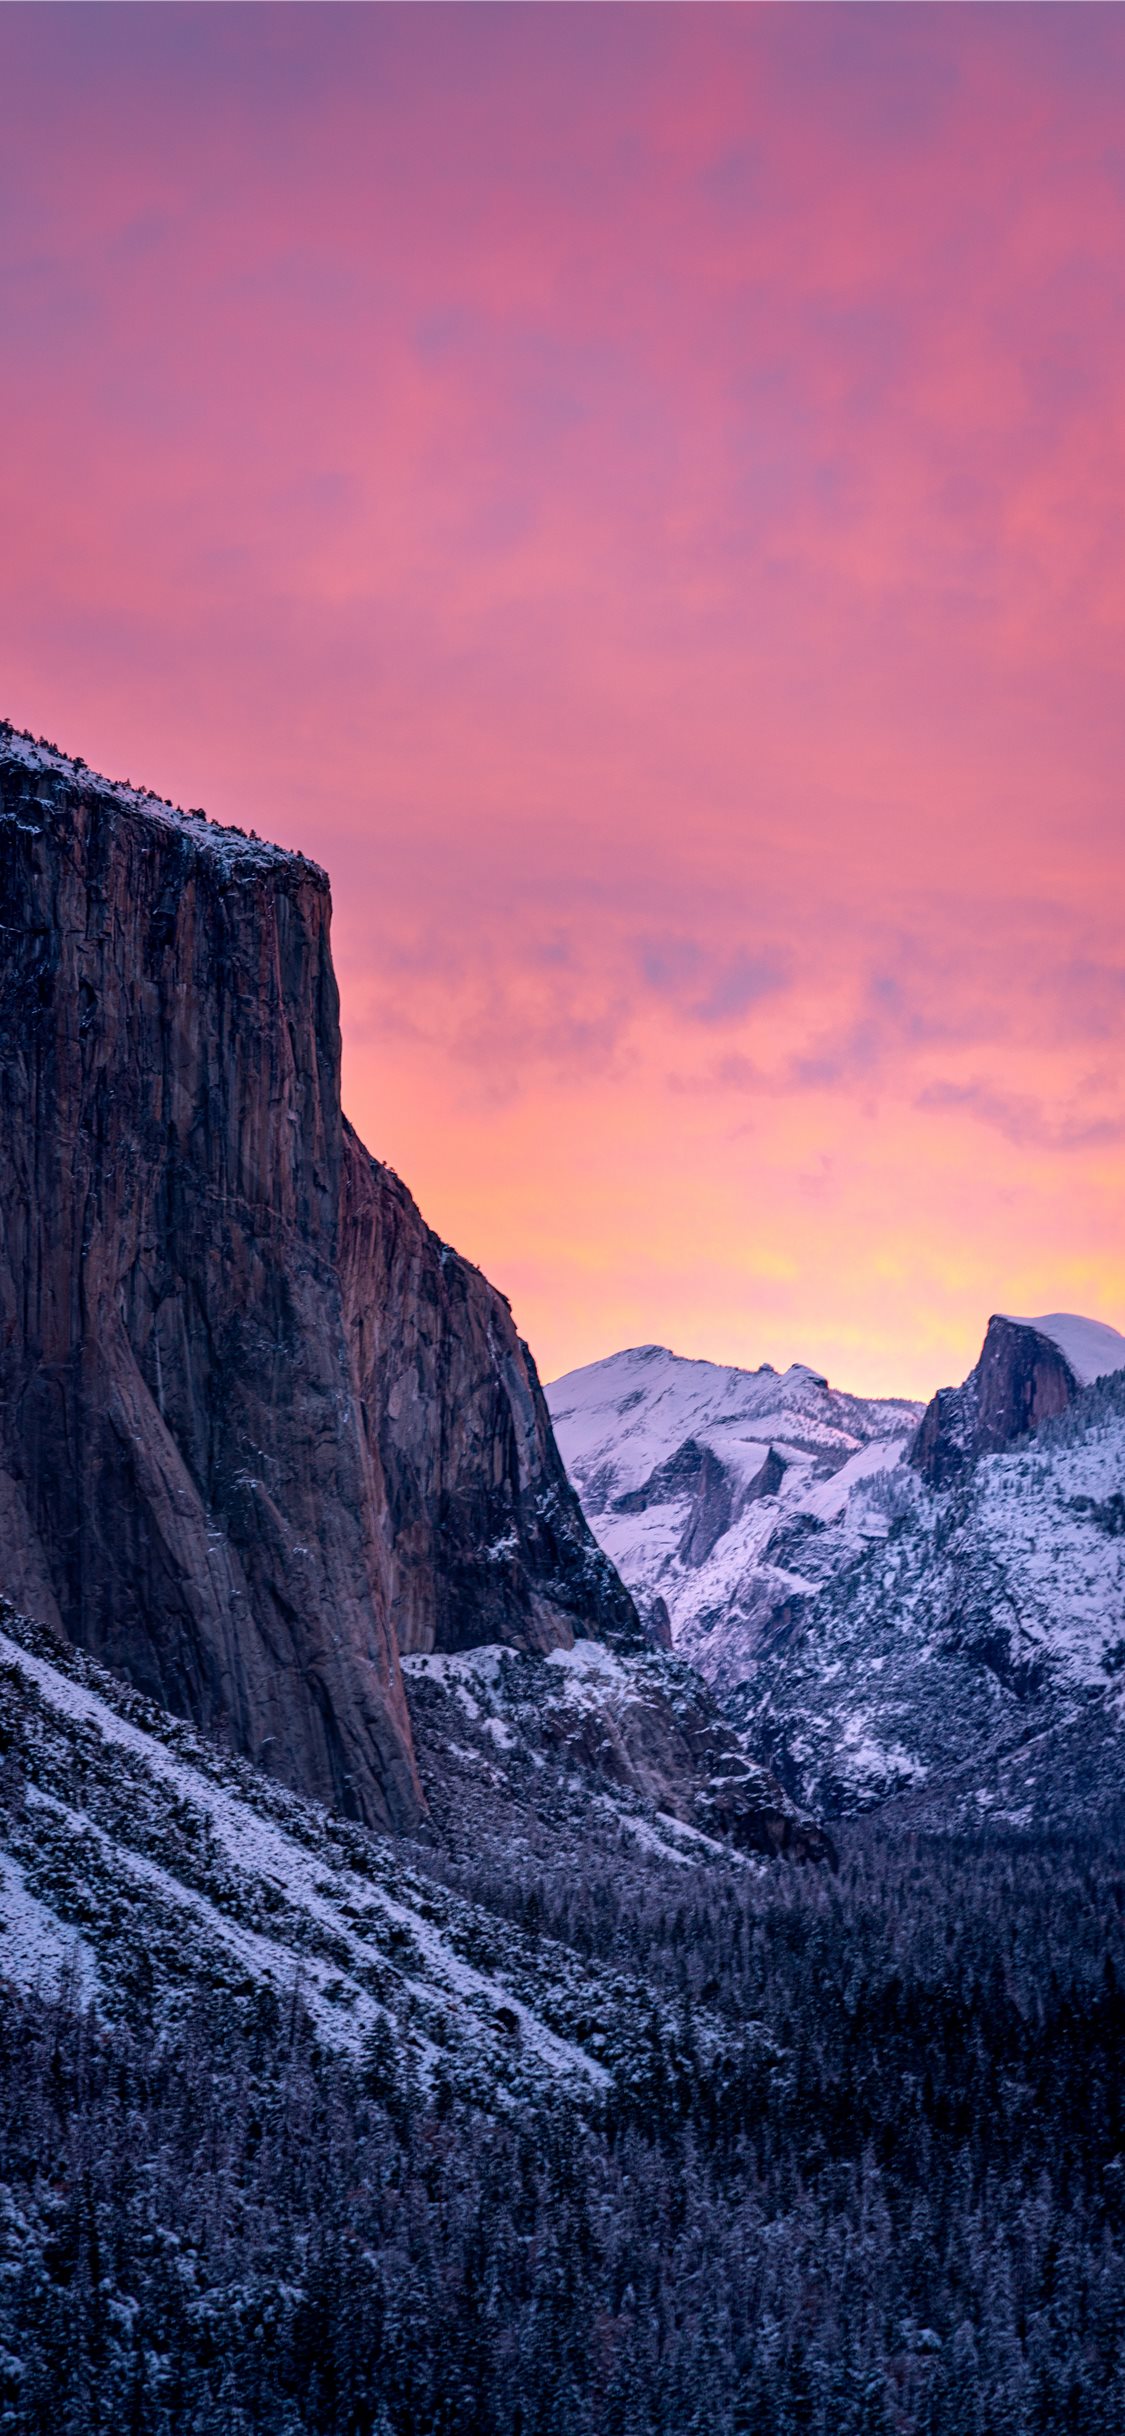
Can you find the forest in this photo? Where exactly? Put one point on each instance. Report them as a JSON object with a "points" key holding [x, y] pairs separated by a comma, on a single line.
{"points": [[871, 2183]]}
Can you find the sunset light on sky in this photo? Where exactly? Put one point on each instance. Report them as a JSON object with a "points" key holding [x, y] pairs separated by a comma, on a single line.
{"points": [[639, 494]]}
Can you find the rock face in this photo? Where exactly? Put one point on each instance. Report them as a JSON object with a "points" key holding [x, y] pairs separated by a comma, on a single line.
{"points": [[256, 1422], [641, 1732], [695, 1473], [1024, 1376], [486, 1539]]}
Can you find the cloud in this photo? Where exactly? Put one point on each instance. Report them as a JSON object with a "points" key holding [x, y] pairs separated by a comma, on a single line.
{"points": [[709, 984], [641, 498], [1024, 1121]]}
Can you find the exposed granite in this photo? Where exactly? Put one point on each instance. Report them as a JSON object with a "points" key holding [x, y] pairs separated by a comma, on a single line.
{"points": [[255, 1421], [487, 1541], [1021, 1380]]}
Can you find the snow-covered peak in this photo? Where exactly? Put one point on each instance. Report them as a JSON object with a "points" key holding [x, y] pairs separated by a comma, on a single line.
{"points": [[878, 1631], [708, 1484], [1093, 1349], [636, 1408]]}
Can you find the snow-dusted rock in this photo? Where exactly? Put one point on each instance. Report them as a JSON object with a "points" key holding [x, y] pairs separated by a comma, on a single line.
{"points": [[1029, 1371], [638, 1734], [721, 1494], [906, 1619], [1093, 1349]]}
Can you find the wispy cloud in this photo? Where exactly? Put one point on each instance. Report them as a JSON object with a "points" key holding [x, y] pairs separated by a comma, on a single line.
{"points": [[1023, 1120]]}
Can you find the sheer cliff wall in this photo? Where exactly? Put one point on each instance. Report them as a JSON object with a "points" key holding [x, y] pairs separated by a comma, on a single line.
{"points": [[256, 1423], [1020, 1380]]}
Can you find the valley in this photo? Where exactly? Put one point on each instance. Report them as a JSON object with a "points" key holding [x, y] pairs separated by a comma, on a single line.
{"points": [[584, 1913]]}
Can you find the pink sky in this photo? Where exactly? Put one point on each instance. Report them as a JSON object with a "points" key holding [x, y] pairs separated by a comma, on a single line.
{"points": [[640, 494]]}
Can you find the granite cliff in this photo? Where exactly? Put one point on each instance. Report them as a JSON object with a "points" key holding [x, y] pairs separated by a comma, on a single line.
{"points": [[258, 1426], [1028, 1372]]}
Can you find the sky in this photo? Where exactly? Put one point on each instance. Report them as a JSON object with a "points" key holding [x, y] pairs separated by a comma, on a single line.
{"points": [[639, 493]]}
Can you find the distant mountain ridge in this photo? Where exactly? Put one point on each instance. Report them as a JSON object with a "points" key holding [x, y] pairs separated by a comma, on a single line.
{"points": [[708, 1485], [892, 1604]]}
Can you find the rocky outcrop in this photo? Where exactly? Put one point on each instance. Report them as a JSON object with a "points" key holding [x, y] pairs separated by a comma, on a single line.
{"points": [[766, 1482], [255, 1421], [642, 1730], [1022, 1379], [693, 1472]]}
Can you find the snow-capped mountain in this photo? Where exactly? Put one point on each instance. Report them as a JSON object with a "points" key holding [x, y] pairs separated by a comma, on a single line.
{"points": [[722, 1493], [1092, 1348], [972, 1660], [933, 1614]]}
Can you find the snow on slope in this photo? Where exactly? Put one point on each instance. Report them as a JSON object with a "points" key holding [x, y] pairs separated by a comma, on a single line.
{"points": [[523, 1745], [1093, 1349], [720, 1493], [145, 1861], [145, 1865]]}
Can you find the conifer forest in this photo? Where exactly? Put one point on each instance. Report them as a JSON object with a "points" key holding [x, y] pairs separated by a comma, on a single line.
{"points": [[880, 2193]]}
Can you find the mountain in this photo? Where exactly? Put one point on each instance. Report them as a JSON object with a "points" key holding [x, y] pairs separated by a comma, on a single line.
{"points": [[264, 1438], [939, 1621], [719, 1493], [1029, 1371], [258, 1425], [971, 1662]]}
